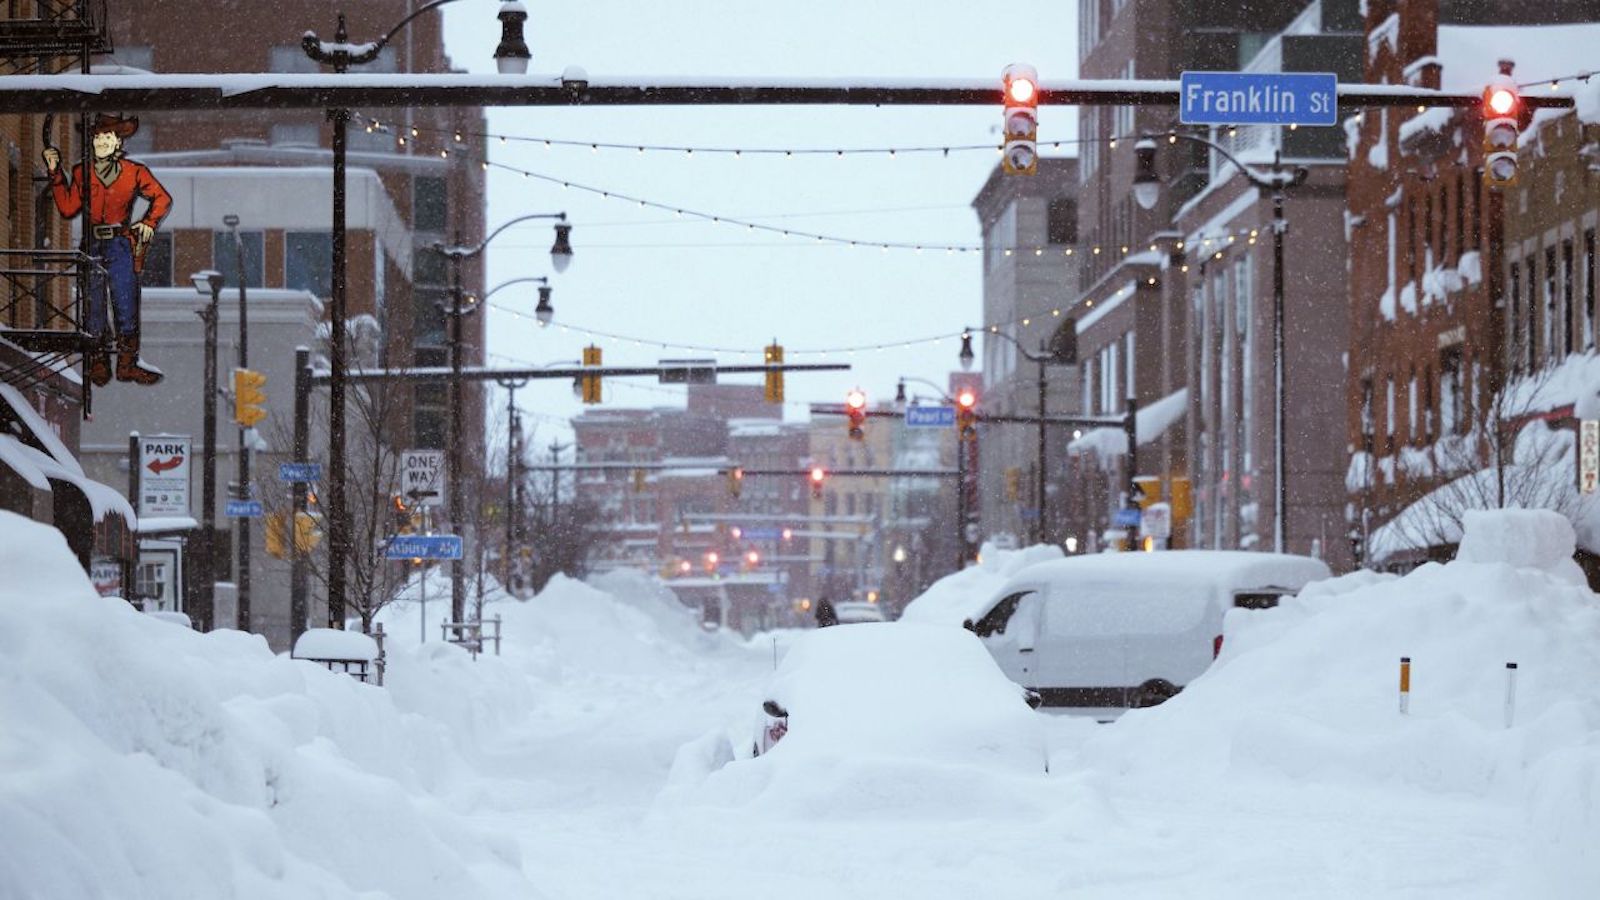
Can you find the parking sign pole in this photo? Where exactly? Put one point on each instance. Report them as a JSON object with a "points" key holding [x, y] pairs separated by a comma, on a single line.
{"points": [[299, 569]]}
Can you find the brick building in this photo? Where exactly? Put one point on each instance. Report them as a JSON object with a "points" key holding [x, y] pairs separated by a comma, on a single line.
{"points": [[1437, 324]]}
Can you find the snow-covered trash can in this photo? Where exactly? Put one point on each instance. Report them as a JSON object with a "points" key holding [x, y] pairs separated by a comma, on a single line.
{"points": [[351, 652]]}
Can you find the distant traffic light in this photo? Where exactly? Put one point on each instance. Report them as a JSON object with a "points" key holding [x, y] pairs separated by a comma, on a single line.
{"points": [[401, 515], [752, 559], [735, 481], [1013, 483], [855, 405], [591, 383], [818, 476], [967, 413], [1020, 155], [248, 397], [711, 561], [1503, 118], [773, 391]]}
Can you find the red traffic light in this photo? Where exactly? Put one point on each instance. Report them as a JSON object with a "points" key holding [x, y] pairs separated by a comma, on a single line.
{"points": [[1021, 84], [817, 475], [856, 399], [1022, 91], [1501, 101], [753, 558], [967, 398]]}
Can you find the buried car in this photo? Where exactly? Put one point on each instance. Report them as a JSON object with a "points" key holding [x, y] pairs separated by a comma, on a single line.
{"points": [[899, 690], [1119, 630]]}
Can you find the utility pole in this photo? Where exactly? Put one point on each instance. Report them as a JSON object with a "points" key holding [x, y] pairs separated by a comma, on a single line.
{"points": [[208, 466], [242, 489]]}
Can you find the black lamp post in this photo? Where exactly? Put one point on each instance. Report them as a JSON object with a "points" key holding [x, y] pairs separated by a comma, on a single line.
{"points": [[209, 284], [1147, 189], [1063, 353], [560, 258], [242, 488], [511, 57]]}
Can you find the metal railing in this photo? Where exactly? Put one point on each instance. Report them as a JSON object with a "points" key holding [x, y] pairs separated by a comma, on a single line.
{"points": [[43, 309], [470, 634]]}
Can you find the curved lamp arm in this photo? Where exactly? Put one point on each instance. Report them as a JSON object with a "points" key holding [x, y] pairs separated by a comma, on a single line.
{"points": [[1033, 356], [900, 390], [469, 252]]}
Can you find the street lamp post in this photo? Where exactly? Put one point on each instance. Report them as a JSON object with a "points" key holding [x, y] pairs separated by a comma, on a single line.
{"points": [[243, 489], [511, 57], [1147, 188], [560, 258], [209, 284]]}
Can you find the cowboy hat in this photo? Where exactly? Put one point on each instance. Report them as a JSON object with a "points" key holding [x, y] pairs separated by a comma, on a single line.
{"points": [[122, 126]]}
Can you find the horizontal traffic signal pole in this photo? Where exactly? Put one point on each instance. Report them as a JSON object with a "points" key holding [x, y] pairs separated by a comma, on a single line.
{"points": [[855, 473], [837, 409], [223, 91], [480, 373], [724, 470]]}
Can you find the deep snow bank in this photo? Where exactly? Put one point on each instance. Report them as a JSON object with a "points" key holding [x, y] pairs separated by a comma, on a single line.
{"points": [[1309, 690], [142, 759], [962, 594]]}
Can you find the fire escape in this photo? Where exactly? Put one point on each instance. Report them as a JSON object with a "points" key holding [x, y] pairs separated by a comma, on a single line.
{"points": [[44, 291]]}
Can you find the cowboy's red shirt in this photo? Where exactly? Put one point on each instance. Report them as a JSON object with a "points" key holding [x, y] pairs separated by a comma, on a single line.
{"points": [[112, 204]]}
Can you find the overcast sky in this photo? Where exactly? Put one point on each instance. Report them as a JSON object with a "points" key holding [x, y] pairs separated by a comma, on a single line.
{"points": [[647, 274]]}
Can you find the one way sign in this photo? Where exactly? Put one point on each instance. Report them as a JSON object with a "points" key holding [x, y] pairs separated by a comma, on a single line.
{"points": [[422, 477]]}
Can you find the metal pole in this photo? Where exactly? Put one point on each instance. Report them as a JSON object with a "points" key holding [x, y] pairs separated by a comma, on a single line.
{"points": [[300, 570], [961, 502], [130, 567], [338, 528], [207, 598], [244, 491], [1130, 425], [1280, 501], [458, 587], [1039, 529]]}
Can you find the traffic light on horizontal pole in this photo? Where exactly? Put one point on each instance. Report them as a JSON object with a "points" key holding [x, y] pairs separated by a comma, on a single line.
{"points": [[591, 383], [248, 397], [773, 391]]}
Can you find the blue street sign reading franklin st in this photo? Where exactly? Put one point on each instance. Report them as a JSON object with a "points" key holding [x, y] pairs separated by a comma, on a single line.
{"points": [[1258, 98]]}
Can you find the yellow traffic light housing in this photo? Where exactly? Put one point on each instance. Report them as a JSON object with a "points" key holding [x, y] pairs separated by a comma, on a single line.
{"points": [[591, 383], [248, 397], [735, 482], [1020, 155], [773, 391]]}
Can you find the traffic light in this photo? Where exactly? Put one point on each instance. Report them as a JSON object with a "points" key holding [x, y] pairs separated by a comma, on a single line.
{"points": [[1020, 155], [711, 561], [818, 476], [307, 532], [855, 405], [967, 413], [1503, 118], [248, 397], [1013, 483], [402, 516], [735, 481], [752, 559], [591, 383], [773, 392], [277, 546]]}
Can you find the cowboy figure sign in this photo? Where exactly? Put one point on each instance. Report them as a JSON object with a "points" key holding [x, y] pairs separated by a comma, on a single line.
{"points": [[115, 240]]}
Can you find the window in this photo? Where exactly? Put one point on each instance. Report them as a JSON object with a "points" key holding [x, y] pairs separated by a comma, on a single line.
{"points": [[1131, 385], [1475, 218], [1062, 219], [1429, 432], [1366, 413], [1411, 410], [429, 201], [1551, 311], [1568, 313], [157, 270], [995, 620], [1589, 312], [1451, 413], [428, 316], [1515, 326], [302, 133], [1461, 216], [1388, 407], [308, 262], [225, 257], [1245, 312]]}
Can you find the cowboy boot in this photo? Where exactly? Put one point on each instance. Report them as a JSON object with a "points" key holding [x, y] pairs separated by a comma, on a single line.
{"points": [[99, 368], [129, 366]]}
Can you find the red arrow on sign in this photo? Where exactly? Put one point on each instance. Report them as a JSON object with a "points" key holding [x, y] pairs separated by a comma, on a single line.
{"points": [[161, 465]]}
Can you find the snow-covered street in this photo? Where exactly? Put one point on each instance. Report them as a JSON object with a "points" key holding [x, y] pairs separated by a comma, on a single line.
{"points": [[145, 760]]}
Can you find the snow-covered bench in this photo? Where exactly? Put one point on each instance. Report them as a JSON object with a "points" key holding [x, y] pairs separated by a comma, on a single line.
{"points": [[351, 652]]}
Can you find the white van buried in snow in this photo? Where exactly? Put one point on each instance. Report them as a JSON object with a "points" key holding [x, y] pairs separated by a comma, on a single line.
{"points": [[1117, 630]]}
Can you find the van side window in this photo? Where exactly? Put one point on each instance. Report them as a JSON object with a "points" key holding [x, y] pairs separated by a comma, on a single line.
{"points": [[995, 622], [1265, 598]]}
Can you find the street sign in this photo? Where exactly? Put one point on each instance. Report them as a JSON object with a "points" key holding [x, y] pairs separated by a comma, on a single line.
{"points": [[299, 471], [422, 477], [930, 416], [1258, 98], [423, 546], [1127, 517], [243, 509], [1589, 456], [1157, 521], [761, 534], [164, 475]]}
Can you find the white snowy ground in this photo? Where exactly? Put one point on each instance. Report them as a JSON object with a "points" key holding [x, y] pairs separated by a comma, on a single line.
{"points": [[142, 760]]}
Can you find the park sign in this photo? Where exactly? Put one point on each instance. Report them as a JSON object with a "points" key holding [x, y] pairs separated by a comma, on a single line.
{"points": [[1258, 98], [164, 475]]}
